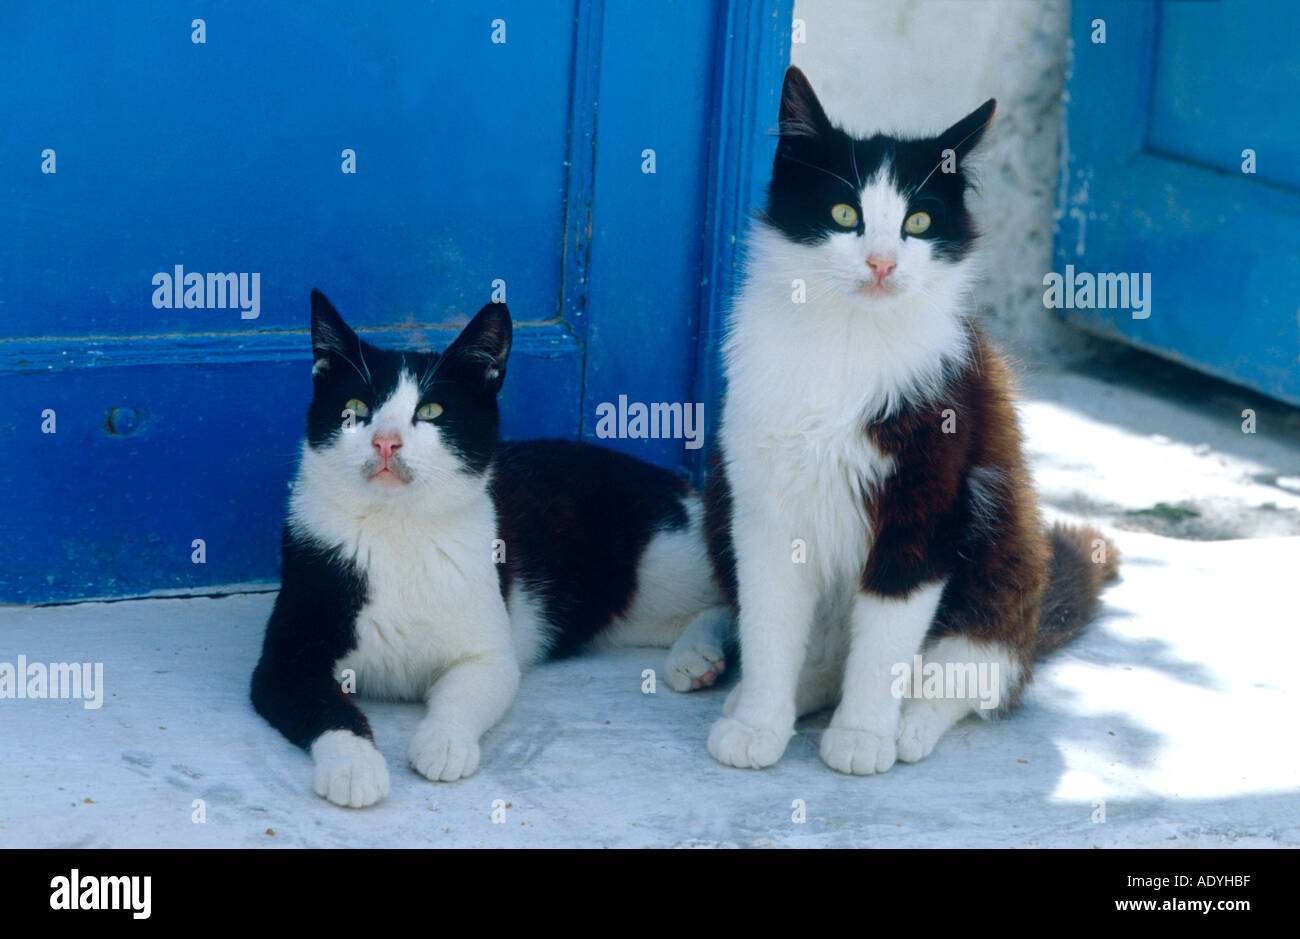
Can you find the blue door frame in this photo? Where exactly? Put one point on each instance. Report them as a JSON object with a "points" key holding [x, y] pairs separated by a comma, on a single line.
{"points": [[175, 426], [1154, 180]]}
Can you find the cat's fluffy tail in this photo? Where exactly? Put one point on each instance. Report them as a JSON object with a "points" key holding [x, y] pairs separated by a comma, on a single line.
{"points": [[1083, 562]]}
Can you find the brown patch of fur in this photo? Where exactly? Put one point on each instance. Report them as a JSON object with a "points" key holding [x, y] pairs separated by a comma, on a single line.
{"points": [[1074, 583], [930, 523], [961, 506]]}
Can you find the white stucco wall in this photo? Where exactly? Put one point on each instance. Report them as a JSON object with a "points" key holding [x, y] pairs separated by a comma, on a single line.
{"points": [[918, 66]]}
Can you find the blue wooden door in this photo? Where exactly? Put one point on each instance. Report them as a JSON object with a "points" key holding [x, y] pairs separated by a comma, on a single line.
{"points": [[1182, 162], [413, 160]]}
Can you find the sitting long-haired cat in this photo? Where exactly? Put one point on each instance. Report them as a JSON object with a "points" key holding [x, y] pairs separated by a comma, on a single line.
{"points": [[870, 500], [434, 562]]}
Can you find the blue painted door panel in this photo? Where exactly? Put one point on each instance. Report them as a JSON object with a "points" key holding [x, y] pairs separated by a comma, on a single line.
{"points": [[1220, 78], [112, 507], [647, 224], [227, 156], [478, 164], [1152, 180]]}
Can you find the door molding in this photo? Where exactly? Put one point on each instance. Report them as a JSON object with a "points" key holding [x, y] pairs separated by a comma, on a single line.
{"points": [[752, 56]]}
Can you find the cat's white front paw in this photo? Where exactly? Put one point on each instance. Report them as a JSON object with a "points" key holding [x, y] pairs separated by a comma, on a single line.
{"points": [[694, 663], [349, 770], [919, 729], [736, 743], [858, 752], [443, 756]]}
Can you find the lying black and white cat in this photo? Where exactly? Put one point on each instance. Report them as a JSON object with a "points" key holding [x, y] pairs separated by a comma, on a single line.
{"points": [[435, 562], [871, 499]]}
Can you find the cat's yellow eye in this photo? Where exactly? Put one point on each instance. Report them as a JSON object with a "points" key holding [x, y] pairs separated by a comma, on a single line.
{"points": [[358, 408], [917, 223], [429, 412], [844, 215]]}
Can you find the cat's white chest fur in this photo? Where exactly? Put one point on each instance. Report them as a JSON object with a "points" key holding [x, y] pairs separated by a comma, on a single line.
{"points": [[803, 378], [432, 599], [804, 476], [433, 595]]}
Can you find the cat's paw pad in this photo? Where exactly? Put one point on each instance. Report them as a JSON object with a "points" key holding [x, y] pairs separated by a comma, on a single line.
{"points": [[349, 770], [857, 752], [442, 756], [693, 664], [735, 743], [919, 729]]}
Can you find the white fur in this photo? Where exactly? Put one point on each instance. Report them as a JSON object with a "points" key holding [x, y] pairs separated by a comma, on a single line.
{"points": [[696, 659], [925, 720], [533, 635], [885, 632], [349, 770], [674, 583], [802, 380], [677, 603], [435, 626]]}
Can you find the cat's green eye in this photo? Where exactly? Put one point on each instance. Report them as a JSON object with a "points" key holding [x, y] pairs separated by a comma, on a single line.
{"points": [[917, 223], [357, 407], [429, 412], [844, 215]]}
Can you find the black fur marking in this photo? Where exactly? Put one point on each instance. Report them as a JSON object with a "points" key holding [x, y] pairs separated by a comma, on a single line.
{"points": [[818, 165], [312, 626], [575, 519], [464, 379], [959, 505]]}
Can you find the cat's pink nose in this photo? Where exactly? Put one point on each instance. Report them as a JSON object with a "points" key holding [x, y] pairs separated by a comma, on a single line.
{"points": [[881, 266], [387, 444]]}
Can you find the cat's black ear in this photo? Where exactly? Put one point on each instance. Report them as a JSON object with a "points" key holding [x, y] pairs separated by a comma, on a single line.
{"points": [[801, 113], [330, 336], [478, 357], [962, 137]]}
